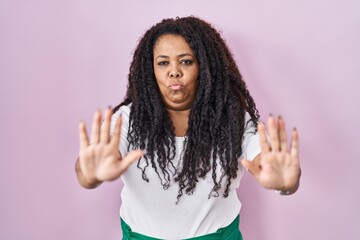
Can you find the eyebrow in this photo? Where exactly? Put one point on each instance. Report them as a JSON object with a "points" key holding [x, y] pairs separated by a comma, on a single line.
{"points": [[181, 55]]}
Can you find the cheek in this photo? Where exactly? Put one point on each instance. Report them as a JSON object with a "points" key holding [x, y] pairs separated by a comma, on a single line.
{"points": [[159, 78], [163, 89], [161, 85], [194, 80], [159, 82]]}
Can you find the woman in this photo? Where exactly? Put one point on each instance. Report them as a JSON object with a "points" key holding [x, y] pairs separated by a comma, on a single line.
{"points": [[189, 123]]}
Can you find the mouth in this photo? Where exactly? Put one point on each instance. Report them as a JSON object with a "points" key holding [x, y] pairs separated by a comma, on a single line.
{"points": [[175, 86]]}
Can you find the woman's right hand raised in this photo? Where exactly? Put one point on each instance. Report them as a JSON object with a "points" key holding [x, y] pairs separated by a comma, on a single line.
{"points": [[101, 160]]}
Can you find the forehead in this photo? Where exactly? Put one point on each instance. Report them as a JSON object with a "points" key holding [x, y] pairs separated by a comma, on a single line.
{"points": [[172, 43]]}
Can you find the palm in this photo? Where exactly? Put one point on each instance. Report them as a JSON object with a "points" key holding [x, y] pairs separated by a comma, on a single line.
{"points": [[279, 170], [101, 160], [278, 167]]}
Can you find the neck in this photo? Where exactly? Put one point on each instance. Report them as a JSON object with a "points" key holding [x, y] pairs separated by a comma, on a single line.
{"points": [[180, 121]]}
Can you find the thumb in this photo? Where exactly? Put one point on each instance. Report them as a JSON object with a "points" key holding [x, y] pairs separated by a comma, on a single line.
{"points": [[251, 167], [131, 157], [121, 166]]}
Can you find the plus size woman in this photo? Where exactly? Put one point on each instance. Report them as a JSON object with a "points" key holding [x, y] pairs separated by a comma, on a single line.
{"points": [[182, 137]]}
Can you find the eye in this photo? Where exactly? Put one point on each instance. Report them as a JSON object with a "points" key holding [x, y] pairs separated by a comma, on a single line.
{"points": [[163, 63], [186, 62]]}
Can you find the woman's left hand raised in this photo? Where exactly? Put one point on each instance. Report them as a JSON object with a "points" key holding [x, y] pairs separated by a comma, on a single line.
{"points": [[278, 165]]}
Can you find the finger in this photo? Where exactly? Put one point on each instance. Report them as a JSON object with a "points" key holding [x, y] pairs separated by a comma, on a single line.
{"points": [[105, 127], [115, 140], [264, 145], [95, 128], [106, 174], [83, 138], [274, 137], [294, 151], [132, 157], [251, 167], [282, 134], [129, 159]]}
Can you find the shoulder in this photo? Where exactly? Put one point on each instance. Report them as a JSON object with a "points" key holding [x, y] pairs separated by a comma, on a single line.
{"points": [[123, 111], [249, 125]]}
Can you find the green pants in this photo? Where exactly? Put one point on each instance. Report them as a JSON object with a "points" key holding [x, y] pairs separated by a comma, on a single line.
{"points": [[231, 232]]}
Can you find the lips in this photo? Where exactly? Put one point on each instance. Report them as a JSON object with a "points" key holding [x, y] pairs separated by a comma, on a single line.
{"points": [[175, 86]]}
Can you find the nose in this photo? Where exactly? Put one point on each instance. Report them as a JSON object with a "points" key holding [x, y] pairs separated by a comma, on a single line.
{"points": [[174, 72]]}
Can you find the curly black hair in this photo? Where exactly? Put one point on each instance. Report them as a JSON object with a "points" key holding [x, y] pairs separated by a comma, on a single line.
{"points": [[217, 116]]}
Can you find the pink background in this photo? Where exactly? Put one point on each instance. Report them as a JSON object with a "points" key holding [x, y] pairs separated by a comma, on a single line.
{"points": [[61, 60]]}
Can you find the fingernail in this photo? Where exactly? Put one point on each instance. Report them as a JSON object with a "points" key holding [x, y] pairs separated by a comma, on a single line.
{"points": [[270, 115], [294, 129], [109, 107], [280, 117]]}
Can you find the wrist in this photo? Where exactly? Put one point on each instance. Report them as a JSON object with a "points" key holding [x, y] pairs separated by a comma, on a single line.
{"points": [[85, 181], [289, 191], [89, 183], [285, 192]]}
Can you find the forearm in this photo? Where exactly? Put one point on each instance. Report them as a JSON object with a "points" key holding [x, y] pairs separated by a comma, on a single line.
{"points": [[83, 181]]}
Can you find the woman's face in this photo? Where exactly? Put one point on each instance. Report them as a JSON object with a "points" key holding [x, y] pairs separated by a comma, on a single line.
{"points": [[176, 71]]}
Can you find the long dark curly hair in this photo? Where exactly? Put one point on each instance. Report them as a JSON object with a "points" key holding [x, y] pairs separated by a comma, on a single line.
{"points": [[217, 116]]}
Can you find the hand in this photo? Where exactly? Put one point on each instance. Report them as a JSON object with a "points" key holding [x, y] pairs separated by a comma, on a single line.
{"points": [[278, 166], [101, 160]]}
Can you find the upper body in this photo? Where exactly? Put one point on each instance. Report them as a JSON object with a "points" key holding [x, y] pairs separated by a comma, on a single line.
{"points": [[149, 209], [187, 126]]}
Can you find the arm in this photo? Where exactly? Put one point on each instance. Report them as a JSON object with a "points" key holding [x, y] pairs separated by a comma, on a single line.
{"points": [[278, 166], [101, 160]]}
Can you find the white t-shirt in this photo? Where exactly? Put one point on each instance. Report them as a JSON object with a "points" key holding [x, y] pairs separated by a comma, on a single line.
{"points": [[150, 210]]}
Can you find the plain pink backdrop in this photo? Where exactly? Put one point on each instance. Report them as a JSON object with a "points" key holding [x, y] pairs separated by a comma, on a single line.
{"points": [[61, 60]]}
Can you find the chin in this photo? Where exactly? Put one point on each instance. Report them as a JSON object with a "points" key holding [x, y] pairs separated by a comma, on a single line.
{"points": [[178, 106]]}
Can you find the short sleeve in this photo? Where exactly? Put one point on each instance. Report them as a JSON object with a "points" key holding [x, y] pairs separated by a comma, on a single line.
{"points": [[124, 112], [251, 141]]}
